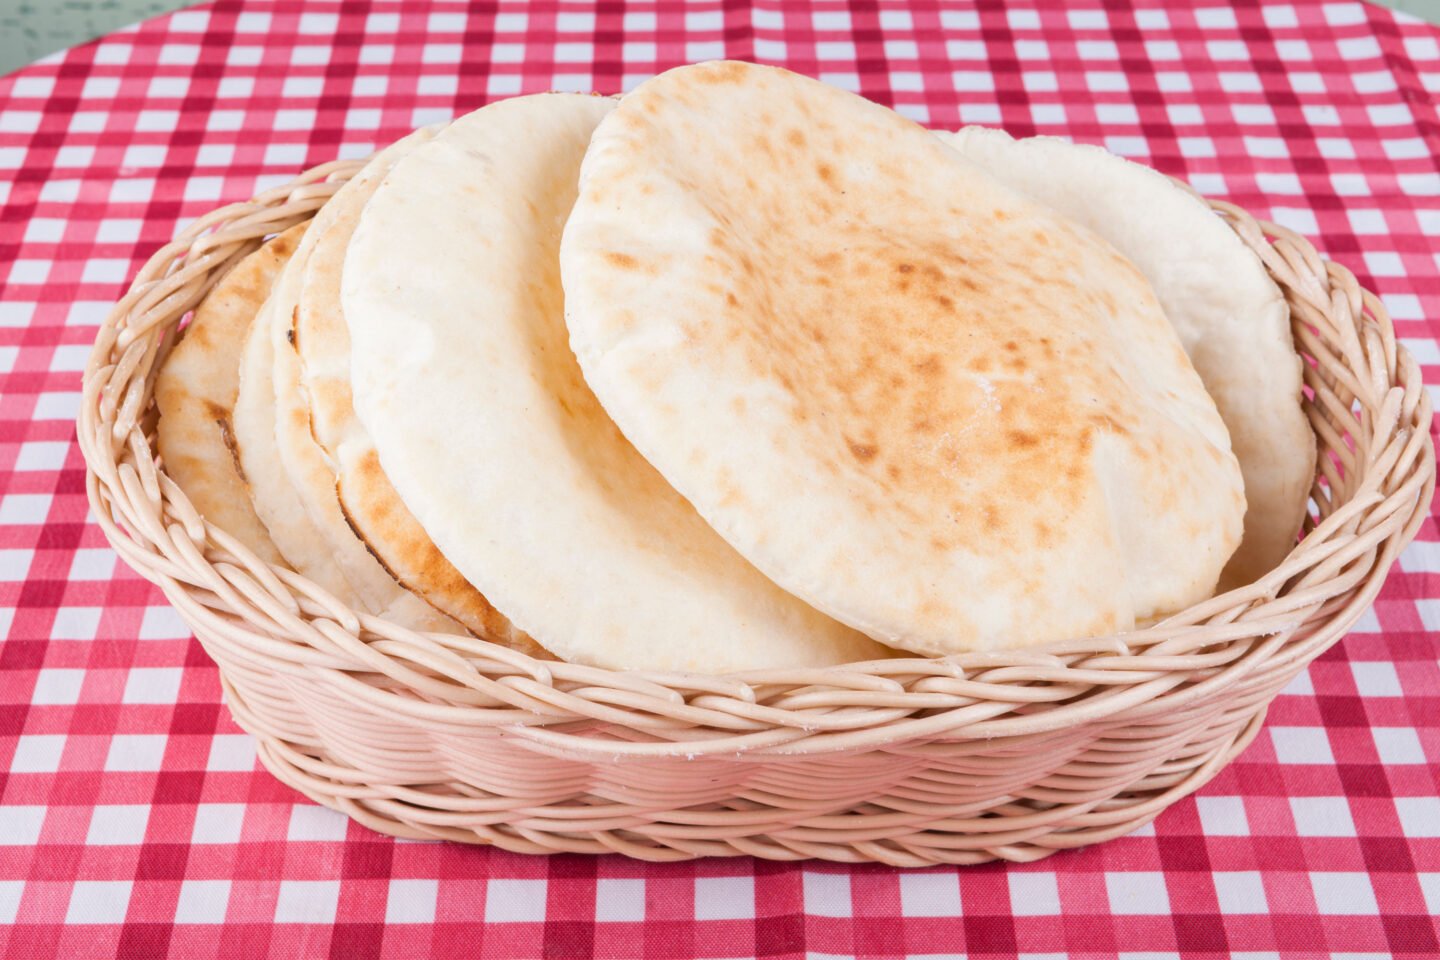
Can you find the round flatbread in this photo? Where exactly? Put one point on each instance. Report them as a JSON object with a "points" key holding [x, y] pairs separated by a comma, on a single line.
{"points": [[302, 460], [195, 392], [274, 499], [931, 407], [1229, 313], [371, 507], [278, 503], [483, 423]]}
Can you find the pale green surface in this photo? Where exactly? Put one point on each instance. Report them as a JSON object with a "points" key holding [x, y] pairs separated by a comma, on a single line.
{"points": [[1424, 9], [30, 29]]}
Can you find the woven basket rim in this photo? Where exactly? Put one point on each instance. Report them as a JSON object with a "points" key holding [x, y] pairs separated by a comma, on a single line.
{"points": [[1368, 399]]}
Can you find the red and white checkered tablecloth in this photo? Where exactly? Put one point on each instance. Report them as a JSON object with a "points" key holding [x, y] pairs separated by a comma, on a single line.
{"points": [[133, 818]]}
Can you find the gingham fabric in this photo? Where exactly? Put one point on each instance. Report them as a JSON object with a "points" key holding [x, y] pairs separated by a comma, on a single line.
{"points": [[134, 821]]}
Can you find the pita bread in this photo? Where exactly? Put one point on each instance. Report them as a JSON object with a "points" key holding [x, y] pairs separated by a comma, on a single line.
{"points": [[277, 502], [483, 423], [934, 409], [309, 475], [195, 394], [274, 500], [1231, 317], [369, 502]]}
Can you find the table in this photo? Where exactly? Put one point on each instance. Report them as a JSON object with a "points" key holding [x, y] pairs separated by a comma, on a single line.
{"points": [[134, 821]]}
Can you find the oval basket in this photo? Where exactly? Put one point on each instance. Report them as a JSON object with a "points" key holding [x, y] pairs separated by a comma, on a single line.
{"points": [[909, 762]]}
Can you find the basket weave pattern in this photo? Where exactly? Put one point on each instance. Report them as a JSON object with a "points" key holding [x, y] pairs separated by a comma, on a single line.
{"points": [[911, 762]]}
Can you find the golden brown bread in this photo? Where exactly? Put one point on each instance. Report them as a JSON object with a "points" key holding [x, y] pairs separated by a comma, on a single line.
{"points": [[932, 408], [1231, 317], [195, 393]]}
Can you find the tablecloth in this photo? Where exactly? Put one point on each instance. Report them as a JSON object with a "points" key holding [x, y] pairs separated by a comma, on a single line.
{"points": [[134, 820]]}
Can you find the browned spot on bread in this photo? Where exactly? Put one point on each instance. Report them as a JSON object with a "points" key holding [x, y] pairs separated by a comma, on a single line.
{"points": [[905, 267], [284, 244], [930, 365], [730, 492], [932, 606], [731, 299], [825, 172], [796, 137], [864, 452], [221, 416], [1022, 440], [364, 541], [723, 71], [622, 260]]}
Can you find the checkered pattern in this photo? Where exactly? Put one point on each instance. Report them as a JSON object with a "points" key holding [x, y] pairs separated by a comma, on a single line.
{"points": [[135, 821]]}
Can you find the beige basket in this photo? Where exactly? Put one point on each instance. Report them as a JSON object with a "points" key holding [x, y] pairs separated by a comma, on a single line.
{"points": [[909, 762]]}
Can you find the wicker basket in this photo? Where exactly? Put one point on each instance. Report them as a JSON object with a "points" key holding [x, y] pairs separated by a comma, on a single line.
{"points": [[912, 762]]}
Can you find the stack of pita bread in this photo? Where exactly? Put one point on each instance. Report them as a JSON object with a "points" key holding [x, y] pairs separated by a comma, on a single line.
{"points": [[742, 371]]}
